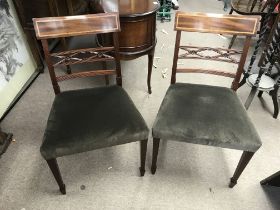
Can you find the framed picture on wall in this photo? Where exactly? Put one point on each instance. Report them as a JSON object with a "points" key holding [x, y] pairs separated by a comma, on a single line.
{"points": [[17, 66]]}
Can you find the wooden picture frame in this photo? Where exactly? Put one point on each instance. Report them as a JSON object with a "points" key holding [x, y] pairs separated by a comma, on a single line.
{"points": [[18, 68]]}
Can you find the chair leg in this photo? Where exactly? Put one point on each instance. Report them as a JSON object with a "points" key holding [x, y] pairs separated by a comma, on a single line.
{"points": [[150, 68], [260, 94], [244, 160], [232, 41], [56, 173], [250, 97], [155, 154], [143, 151], [275, 103]]}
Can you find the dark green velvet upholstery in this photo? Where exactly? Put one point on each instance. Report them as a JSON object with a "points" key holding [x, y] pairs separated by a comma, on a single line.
{"points": [[206, 115], [83, 120]]}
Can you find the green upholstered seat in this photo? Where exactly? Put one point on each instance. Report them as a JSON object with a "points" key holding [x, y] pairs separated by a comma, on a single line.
{"points": [[206, 115], [84, 120]]}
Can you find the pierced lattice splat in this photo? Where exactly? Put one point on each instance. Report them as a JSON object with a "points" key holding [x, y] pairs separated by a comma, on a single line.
{"points": [[79, 56], [80, 25], [208, 53]]}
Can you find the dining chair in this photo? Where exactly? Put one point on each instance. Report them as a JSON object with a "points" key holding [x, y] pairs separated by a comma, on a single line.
{"points": [[187, 111], [87, 119], [265, 80]]}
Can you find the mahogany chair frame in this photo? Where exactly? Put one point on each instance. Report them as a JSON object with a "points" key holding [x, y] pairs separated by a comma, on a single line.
{"points": [[226, 24], [69, 26], [216, 24], [49, 28]]}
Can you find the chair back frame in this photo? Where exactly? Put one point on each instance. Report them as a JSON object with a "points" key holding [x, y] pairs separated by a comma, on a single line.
{"points": [[216, 24], [69, 26]]}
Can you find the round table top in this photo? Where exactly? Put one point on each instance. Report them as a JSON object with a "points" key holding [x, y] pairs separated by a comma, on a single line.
{"points": [[266, 82], [130, 8]]}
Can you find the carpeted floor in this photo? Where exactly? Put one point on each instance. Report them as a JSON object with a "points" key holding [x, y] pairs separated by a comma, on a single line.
{"points": [[188, 176]]}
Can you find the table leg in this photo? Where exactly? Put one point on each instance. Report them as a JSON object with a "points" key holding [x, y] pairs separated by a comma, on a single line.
{"points": [[150, 68]]}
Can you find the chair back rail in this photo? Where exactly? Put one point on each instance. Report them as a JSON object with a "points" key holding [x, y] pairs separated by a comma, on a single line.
{"points": [[85, 74], [217, 24], [69, 26], [206, 71]]}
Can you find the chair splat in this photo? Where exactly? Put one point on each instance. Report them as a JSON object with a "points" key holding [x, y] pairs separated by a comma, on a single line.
{"points": [[216, 24], [79, 56], [80, 25], [221, 54]]}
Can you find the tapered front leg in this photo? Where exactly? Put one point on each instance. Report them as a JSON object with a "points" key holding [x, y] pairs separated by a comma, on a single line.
{"points": [[155, 155], [143, 152], [244, 160], [56, 173]]}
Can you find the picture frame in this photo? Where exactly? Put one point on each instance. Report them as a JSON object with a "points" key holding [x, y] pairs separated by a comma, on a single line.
{"points": [[18, 68]]}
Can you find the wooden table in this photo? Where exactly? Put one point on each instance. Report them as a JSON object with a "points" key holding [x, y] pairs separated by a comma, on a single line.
{"points": [[138, 28]]}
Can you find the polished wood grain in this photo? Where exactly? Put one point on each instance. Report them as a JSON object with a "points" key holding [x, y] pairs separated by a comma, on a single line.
{"points": [[55, 27], [217, 23], [131, 8], [29, 9], [138, 25], [66, 26], [203, 23], [138, 28]]}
